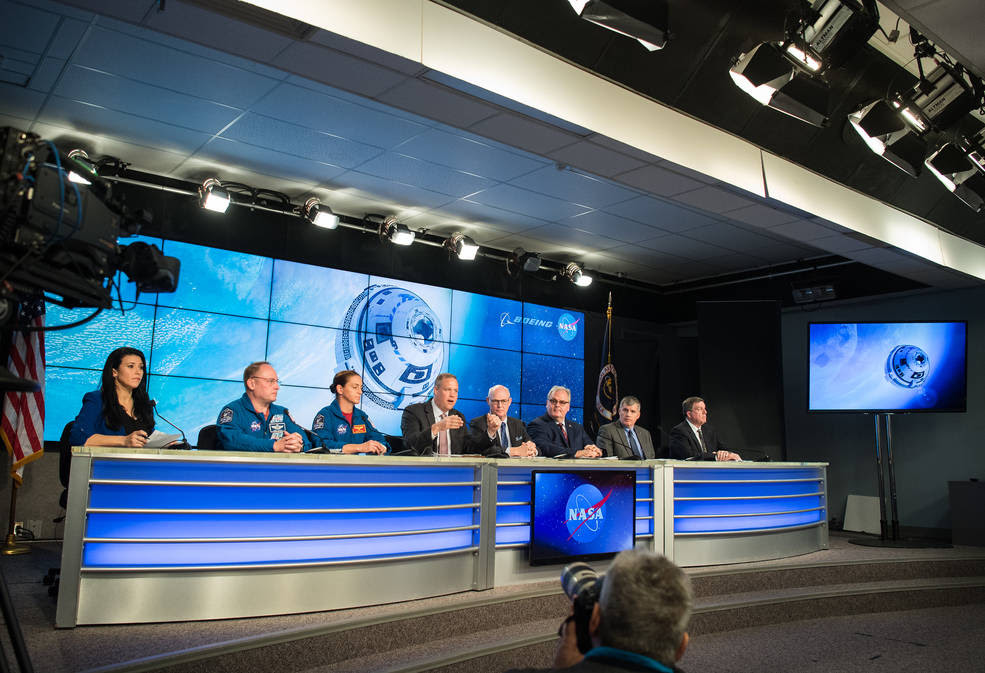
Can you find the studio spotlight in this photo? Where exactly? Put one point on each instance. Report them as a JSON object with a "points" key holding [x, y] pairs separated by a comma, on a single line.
{"points": [[895, 129], [766, 74], [643, 20], [960, 166], [576, 275], [320, 214], [463, 246], [783, 75], [82, 166], [522, 261], [396, 233], [212, 196]]}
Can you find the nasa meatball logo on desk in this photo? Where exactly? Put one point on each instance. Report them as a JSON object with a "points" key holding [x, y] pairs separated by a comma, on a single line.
{"points": [[397, 340], [581, 514]]}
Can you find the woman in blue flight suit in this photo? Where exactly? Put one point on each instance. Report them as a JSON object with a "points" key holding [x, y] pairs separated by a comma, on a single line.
{"points": [[120, 412], [342, 426]]}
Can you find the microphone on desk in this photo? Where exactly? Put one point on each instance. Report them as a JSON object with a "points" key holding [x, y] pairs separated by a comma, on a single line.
{"points": [[184, 440]]}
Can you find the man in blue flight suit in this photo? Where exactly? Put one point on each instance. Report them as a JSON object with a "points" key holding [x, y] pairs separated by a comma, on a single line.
{"points": [[254, 422]]}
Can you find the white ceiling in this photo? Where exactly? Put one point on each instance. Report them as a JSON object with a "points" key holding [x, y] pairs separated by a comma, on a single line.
{"points": [[367, 131]]}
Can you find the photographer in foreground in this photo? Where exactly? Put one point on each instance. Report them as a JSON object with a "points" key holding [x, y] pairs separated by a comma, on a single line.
{"points": [[638, 622]]}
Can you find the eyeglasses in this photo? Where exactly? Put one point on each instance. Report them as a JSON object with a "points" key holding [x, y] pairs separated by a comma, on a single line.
{"points": [[497, 402], [268, 380], [559, 403]]}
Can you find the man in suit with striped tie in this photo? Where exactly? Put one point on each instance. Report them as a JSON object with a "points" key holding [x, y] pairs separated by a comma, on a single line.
{"points": [[624, 438], [507, 434], [694, 438], [555, 435]]}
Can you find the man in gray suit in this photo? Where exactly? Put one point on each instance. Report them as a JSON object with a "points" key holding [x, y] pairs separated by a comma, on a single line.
{"points": [[623, 438]]}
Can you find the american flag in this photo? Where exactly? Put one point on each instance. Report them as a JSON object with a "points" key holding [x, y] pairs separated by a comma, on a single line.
{"points": [[22, 426]]}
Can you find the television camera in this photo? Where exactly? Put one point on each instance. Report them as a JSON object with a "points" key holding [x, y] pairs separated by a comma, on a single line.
{"points": [[59, 225]]}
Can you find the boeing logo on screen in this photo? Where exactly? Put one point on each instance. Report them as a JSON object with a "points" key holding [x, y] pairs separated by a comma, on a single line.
{"points": [[506, 319], [567, 326], [585, 511]]}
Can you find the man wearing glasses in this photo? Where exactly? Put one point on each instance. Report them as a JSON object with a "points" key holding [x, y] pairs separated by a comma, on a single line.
{"points": [[554, 435], [254, 422], [507, 434]]}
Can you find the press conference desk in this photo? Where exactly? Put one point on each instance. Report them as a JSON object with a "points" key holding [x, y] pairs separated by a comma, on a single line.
{"points": [[161, 535]]}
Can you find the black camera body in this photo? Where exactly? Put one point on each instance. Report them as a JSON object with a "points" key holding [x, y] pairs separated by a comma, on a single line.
{"points": [[59, 236], [583, 586]]}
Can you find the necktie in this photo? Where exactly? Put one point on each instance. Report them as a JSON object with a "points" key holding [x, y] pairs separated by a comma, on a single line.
{"points": [[564, 433], [701, 438], [443, 439], [504, 438], [634, 443]]}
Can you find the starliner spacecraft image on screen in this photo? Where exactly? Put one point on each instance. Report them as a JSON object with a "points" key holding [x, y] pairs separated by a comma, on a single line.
{"points": [[883, 367], [400, 340]]}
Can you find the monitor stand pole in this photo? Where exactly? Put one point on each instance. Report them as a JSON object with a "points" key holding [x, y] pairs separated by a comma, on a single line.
{"points": [[889, 530]]}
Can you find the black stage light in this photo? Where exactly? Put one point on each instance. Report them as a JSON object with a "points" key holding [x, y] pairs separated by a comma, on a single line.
{"points": [[960, 165], [319, 214], [464, 246], [521, 261], [643, 20]]}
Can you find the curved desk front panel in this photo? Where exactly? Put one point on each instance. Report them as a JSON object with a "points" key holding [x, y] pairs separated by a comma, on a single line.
{"points": [[164, 535]]}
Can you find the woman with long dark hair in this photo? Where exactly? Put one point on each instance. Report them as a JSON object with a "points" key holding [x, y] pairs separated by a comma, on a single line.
{"points": [[342, 426], [120, 412]]}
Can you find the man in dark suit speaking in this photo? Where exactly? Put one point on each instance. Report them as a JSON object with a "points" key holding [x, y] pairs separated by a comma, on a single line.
{"points": [[694, 438], [554, 435], [508, 434], [623, 438], [436, 426]]}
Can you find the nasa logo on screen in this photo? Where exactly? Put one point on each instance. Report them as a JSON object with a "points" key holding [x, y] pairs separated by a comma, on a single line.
{"points": [[567, 326], [396, 340], [585, 513]]}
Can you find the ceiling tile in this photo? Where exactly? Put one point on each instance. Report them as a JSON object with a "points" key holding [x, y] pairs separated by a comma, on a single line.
{"points": [[330, 114], [171, 68], [659, 181], [46, 74], [733, 262], [142, 157], [622, 148], [197, 169], [137, 130], [189, 22], [436, 102], [802, 230], [573, 187], [456, 151], [573, 236], [684, 247], [527, 134], [411, 171], [714, 199], [339, 70], [409, 196], [93, 87], [595, 159], [688, 172], [731, 237], [293, 139], [644, 256], [784, 252], [269, 161], [526, 202], [761, 216], [839, 244], [502, 219], [661, 214], [367, 52], [20, 102], [613, 226]]}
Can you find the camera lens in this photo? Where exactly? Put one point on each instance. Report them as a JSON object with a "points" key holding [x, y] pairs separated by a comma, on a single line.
{"points": [[577, 577]]}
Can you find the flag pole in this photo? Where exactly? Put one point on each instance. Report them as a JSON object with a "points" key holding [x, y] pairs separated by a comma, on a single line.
{"points": [[10, 547]]}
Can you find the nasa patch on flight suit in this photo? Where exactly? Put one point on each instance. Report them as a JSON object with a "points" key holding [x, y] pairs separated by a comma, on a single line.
{"points": [[359, 429], [341, 429]]}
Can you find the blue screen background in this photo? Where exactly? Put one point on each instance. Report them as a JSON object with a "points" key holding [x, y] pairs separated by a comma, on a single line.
{"points": [[848, 366], [234, 308]]}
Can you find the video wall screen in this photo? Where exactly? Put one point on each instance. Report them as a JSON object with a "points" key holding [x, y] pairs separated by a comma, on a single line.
{"points": [[887, 366], [310, 322]]}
